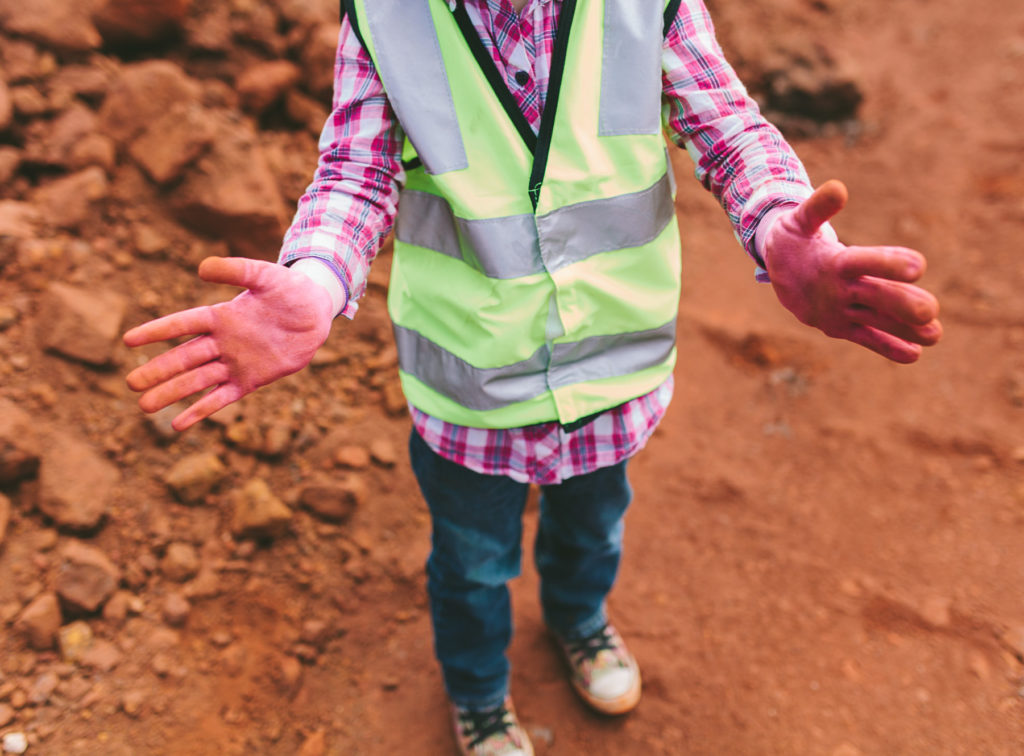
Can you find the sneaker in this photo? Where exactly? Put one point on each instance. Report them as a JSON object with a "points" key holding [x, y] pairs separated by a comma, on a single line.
{"points": [[603, 671], [490, 733]]}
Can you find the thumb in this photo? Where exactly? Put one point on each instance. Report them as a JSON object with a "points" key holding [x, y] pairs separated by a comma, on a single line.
{"points": [[234, 271], [827, 200]]}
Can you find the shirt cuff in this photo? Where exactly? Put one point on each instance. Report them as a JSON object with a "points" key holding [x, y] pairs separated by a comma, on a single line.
{"points": [[321, 272]]}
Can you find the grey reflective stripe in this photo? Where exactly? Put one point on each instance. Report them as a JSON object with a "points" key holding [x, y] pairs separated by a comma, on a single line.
{"points": [[521, 245], [472, 387], [631, 68], [608, 356], [412, 69], [498, 247], [575, 232], [485, 389]]}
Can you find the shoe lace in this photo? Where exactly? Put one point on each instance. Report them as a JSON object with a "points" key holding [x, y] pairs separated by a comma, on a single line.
{"points": [[480, 725], [587, 648]]}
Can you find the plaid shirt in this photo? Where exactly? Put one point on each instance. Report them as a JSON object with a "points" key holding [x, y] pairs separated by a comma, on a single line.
{"points": [[350, 207]]}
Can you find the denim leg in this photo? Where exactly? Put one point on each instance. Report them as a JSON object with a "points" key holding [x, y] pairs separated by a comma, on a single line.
{"points": [[477, 532], [579, 543]]}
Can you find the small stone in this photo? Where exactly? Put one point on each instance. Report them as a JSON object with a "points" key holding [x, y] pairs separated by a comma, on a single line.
{"points": [[43, 688], [176, 609], [15, 742], [180, 562], [258, 512], [131, 702], [332, 501], [6, 714], [74, 639], [194, 476], [314, 745], [87, 577], [383, 452], [5, 516], [40, 621], [102, 655], [289, 673], [116, 608], [354, 457], [314, 631]]}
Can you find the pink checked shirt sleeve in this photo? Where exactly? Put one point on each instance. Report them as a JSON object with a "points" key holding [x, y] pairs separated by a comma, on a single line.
{"points": [[351, 204]]}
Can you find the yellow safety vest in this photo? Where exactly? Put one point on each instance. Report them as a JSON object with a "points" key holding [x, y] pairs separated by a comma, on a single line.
{"points": [[536, 277]]}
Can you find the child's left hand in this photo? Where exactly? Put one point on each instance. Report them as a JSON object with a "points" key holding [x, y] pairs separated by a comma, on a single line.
{"points": [[863, 294]]}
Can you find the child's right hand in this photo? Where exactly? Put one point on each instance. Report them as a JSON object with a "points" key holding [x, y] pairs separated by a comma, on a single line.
{"points": [[269, 331]]}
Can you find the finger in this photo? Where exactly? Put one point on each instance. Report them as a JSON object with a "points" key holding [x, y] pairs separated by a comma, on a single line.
{"points": [[217, 399], [894, 263], [180, 359], [184, 323], [885, 344], [827, 200], [181, 386], [926, 335], [905, 302], [235, 271]]}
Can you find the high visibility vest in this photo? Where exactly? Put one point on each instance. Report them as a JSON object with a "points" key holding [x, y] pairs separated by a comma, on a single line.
{"points": [[535, 277]]}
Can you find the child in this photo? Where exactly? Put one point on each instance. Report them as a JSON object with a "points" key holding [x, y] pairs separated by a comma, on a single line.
{"points": [[534, 289]]}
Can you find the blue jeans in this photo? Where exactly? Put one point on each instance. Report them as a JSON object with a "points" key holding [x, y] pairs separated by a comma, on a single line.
{"points": [[477, 534]]}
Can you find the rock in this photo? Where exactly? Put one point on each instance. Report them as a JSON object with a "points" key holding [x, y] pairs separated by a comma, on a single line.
{"points": [[315, 632], [258, 512], [75, 639], [811, 87], [61, 24], [305, 110], [314, 745], [93, 149], [40, 621], [87, 577], [176, 609], [42, 688], [232, 194], [131, 702], [10, 161], [84, 324], [383, 452], [115, 610], [88, 82], [75, 195], [174, 141], [193, 477], [180, 562], [264, 83], [75, 483], [142, 94], [333, 501], [14, 742], [135, 22], [6, 714], [6, 107], [318, 60], [52, 143], [206, 585], [5, 516], [19, 446], [354, 457], [19, 220]]}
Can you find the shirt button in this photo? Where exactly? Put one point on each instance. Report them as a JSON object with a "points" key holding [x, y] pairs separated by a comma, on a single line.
{"points": [[522, 77]]}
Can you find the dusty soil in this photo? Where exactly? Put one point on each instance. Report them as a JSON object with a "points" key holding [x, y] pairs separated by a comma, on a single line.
{"points": [[824, 552]]}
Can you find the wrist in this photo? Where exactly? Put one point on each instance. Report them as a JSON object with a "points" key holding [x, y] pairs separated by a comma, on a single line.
{"points": [[320, 272]]}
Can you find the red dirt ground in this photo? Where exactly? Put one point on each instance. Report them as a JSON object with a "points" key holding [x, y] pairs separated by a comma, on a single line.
{"points": [[824, 555]]}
